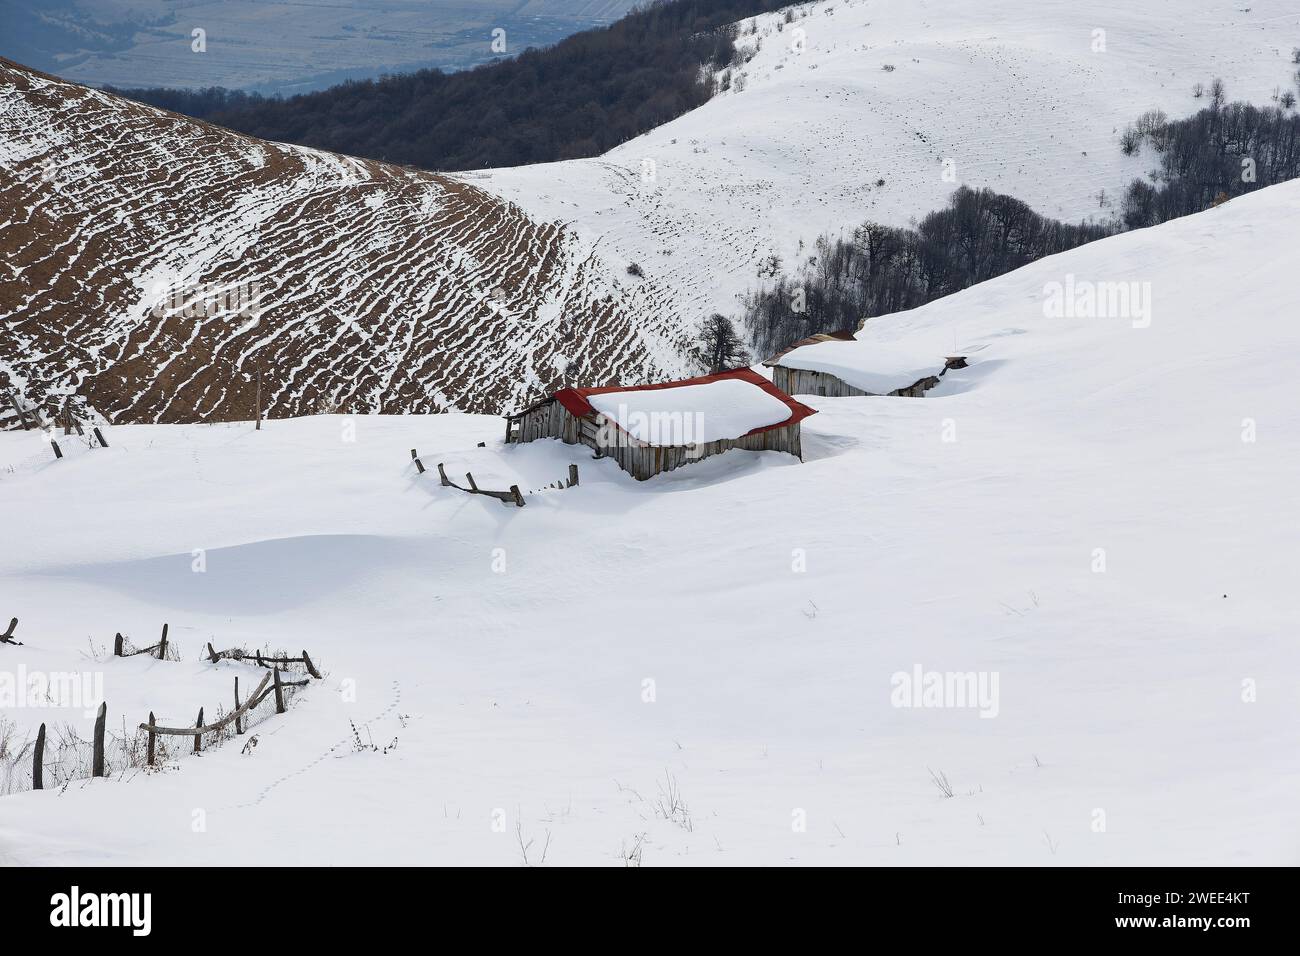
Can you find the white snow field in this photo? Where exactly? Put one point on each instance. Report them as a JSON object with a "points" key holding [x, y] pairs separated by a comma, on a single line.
{"points": [[1097, 519], [1022, 96]]}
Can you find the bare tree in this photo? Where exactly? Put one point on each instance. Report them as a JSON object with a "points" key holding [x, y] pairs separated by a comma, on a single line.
{"points": [[720, 347]]}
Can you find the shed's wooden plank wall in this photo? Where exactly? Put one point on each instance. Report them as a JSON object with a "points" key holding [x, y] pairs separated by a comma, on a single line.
{"points": [[801, 381], [553, 420]]}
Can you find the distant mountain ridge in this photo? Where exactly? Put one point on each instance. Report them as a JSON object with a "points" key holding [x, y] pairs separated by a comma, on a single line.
{"points": [[277, 46]]}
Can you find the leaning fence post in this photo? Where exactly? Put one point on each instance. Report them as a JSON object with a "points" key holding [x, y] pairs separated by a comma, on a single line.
{"points": [[212, 655], [97, 764], [311, 668], [470, 479], [100, 436], [22, 413], [151, 738], [38, 760], [443, 475], [162, 645], [198, 738], [58, 452], [239, 723]]}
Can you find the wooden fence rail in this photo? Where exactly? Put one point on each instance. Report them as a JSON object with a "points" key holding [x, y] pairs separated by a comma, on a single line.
{"points": [[563, 483], [239, 654], [513, 496], [34, 416], [200, 729], [260, 693], [119, 646]]}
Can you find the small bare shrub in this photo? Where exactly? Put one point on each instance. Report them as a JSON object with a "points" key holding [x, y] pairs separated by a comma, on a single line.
{"points": [[941, 781], [671, 806]]}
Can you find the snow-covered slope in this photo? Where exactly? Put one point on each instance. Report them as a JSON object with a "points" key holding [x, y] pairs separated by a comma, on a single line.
{"points": [[396, 290], [1096, 519], [849, 111], [152, 263]]}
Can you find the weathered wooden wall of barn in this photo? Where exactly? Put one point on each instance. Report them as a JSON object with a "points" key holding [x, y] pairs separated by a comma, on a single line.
{"points": [[919, 389], [643, 461], [802, 381], [548, 420]]}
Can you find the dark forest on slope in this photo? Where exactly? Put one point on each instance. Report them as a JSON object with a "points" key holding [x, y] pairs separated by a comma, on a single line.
{"points": [[882, 269], [1224, 150], [578, 98]]}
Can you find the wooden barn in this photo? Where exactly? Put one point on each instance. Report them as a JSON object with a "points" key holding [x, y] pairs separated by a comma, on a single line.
{"points": [[837, 365], [649, 429]]}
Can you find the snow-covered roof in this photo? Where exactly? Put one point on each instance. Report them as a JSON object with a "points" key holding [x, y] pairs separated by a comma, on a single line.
{"points": [[727, 405], [868, 365]]}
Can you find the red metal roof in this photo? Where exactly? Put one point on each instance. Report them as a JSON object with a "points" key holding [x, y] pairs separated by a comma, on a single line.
{"points": [[575, 399]]}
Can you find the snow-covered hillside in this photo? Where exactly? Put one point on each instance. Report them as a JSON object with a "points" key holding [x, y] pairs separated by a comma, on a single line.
{"points": [[152, 263], [849, 112], [1096, 519], [383, 288]]}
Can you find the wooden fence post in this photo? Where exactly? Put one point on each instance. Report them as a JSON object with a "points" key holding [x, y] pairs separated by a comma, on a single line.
{"points": [[58, 452], [239, 724], [38, 760], [212, 655], [198, 738], [151, 738], [22, 414], [8, 636], [470, 479], [519, 498], [279, 693], [573, 476], [443, 475], [162, 645], [97, 763], [117, 644], [259, 398], [311, 668], [100, 437]]}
